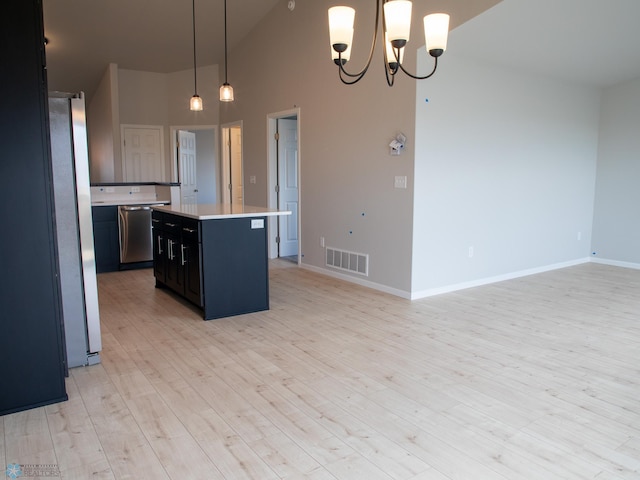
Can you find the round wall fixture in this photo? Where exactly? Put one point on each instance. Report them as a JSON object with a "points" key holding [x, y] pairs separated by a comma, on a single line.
{"points": [[291, 5]]}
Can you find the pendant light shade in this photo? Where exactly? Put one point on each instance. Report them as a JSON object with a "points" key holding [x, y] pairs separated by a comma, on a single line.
{"points": [[226, 90], [226, 93], [196, 102]]}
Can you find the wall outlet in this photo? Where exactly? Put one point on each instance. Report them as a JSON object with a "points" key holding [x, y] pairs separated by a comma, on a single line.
{"points": [[135, 189], [470, 252], [400, 182], [579, 236], [322, 242], [110, 189], [252, 179]]}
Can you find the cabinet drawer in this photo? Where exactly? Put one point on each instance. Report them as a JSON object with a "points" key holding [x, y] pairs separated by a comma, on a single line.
{"points": [[190, 230], [156, 219], [172, 224]]}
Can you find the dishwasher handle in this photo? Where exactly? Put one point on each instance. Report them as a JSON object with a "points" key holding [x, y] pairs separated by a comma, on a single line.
{"points": [[134, 208]]}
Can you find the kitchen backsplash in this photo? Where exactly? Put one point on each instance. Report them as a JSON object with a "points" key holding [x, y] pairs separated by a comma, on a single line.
{"points": [[134, 194]]}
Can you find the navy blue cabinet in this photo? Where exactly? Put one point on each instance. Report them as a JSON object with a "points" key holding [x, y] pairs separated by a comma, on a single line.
{"points": [[105, 238], [220, 265]]}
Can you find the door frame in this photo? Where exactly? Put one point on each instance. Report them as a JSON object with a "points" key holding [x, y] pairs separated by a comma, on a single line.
{"points": [[173, 132], [225, 160], [272, 162]]}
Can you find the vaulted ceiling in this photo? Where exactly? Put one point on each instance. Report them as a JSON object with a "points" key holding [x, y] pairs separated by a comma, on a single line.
{"points": [[596, 42], [590, 42], [150, 35]]}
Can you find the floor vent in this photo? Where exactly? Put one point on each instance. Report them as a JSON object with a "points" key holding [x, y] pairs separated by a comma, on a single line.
{"points": [[350, 261]]}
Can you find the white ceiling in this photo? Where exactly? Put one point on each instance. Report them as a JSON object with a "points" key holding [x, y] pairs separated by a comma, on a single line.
{"points": [[149, 35], [593, 42]]}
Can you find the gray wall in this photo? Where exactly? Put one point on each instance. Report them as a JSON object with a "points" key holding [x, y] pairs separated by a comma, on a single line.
{"points": [[505, 164], [616, 225], [347, 175], [145, 98]]}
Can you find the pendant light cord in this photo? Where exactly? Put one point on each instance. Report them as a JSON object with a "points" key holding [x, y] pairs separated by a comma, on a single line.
{"points": [[195, 77], [225, 41]]}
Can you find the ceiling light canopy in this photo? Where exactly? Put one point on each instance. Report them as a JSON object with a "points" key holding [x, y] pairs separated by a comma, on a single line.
{"points": [[396, 24]]}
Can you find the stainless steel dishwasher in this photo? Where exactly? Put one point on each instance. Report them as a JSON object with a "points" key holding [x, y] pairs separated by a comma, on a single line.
{"points": [[134, 223]]}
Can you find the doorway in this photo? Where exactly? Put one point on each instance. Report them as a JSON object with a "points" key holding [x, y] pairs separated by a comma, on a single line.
{"points": [[204, 174], [232, 164], [283, 130]]}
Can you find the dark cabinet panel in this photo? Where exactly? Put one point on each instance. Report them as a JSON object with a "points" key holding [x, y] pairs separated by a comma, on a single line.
{"points": [[32, 357], [106, 238], [159, 247], [235, 266]]}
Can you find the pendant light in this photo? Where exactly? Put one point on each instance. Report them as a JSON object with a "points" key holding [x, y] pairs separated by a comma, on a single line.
{"points": [[226, 90], [196, 101]]}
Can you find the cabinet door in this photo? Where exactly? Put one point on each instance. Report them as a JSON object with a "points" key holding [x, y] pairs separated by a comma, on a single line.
{"points": [[174, 272], [192, 278], [105, 238], [159, 255]]}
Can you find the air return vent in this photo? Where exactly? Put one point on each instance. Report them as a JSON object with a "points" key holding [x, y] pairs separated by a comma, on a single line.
{"points": [[350, 261]]}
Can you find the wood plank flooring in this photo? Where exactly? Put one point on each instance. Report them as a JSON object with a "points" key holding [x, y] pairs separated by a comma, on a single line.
{"points": [[536, 378]]}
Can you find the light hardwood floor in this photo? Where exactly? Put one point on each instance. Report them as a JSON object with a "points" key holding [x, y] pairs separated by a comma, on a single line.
{"points": [[536, 378]]}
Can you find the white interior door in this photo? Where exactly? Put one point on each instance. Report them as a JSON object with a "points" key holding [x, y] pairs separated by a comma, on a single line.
{"points": [[143, 154], [187, 167], [288, 186]]}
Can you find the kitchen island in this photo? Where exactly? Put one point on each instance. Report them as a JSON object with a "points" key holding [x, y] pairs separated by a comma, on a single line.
{"points": [[214, 255]]}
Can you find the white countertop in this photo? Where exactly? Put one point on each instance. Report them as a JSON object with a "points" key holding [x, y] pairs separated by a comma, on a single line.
{"points": [[112, 203], [219, 211]]}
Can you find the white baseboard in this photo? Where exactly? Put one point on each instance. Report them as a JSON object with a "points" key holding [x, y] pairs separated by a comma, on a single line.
{"points": [[498, 278], [464, 285], [615, 263], [358, 281]]}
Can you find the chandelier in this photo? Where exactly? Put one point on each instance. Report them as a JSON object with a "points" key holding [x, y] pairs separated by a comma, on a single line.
{"points": [[396, 24]]}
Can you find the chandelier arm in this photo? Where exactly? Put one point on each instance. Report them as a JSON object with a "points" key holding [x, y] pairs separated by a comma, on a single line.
{"points": [[346, 81], [389, 73], [390, 76], [435, 66], [358, 76]]}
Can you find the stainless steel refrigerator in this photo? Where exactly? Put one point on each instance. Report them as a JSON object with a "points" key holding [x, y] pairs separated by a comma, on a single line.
{"points": [[74, 228]]}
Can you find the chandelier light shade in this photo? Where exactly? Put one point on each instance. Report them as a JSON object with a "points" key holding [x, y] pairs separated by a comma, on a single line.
{"points": [[226, 90], [397, 21], [436, 31], [396, 26], [196, 102], [341, 28]]}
